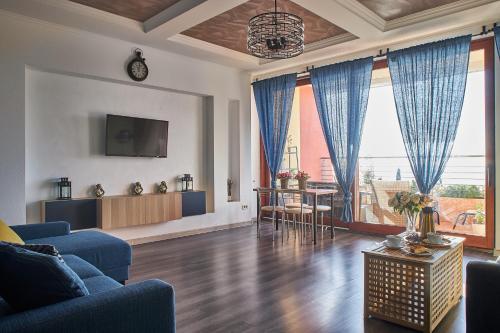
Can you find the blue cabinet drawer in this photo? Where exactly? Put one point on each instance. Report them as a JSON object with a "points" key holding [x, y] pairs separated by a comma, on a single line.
{"points": [[194, 203]]}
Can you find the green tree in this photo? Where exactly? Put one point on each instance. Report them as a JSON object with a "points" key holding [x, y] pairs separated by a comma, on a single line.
{"points": [[461, 191]]}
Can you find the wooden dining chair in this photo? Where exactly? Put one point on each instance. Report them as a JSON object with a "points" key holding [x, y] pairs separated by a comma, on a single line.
{"points": [[298, 212], [322, 209], [272, 207]]}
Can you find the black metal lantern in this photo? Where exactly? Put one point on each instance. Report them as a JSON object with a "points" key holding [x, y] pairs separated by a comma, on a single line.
{"points": [[187, 182], [275, 35], [64, 186]]}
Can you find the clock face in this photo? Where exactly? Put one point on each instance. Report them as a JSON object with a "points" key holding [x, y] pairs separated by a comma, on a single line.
{"points": [[137, 70]]}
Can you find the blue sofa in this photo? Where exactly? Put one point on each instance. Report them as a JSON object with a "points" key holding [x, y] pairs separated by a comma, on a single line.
{"points": [[483, 297], [102, 262]]}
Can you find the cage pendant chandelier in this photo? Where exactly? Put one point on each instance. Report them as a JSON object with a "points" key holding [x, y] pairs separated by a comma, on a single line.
{"points": [[275, 35]]}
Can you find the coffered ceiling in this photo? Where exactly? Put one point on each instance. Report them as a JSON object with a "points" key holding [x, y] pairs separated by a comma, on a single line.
{"points": [[394, 9], [216, 30], [229, 29], [139, 10]]}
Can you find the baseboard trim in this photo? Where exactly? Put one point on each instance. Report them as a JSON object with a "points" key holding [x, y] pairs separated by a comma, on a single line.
{"points": [[158, 238]]}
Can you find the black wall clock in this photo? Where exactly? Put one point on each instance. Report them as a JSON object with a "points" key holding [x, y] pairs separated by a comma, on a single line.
{"points": [[137, 69]]}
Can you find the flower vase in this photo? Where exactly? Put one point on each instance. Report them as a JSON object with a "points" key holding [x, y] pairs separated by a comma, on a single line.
{"points": [[411, 221], [302, 184], [284, 183]]}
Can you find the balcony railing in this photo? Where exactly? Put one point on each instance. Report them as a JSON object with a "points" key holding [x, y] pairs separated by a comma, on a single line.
{"points": [[460, 169], [458, 195]]}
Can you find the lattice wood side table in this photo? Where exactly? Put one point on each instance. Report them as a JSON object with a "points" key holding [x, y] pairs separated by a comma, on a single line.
{"points": [[415, 292]]}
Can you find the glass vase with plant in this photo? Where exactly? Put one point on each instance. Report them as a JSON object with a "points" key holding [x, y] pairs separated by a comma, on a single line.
{"points": [[409, 204], [302, 177], [284, 177]]}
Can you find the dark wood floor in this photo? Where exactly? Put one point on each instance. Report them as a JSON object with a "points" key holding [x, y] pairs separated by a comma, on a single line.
{"points": [[228, 281]]}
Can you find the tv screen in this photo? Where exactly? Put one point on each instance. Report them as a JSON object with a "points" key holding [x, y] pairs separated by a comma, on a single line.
{"points": [[130, 136]]}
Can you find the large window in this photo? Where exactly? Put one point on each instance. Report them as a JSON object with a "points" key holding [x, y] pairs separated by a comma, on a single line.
{"points": [[464, 194], [384, 168]]}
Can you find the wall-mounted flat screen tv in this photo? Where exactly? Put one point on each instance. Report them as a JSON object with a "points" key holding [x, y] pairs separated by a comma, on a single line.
{"points": [[140, 137]]}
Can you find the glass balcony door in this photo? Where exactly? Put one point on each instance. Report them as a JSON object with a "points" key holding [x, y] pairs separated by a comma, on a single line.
{"points": [[464, 195]]}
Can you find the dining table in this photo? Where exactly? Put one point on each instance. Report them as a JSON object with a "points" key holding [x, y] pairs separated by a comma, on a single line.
{"points": [[312, 193]]}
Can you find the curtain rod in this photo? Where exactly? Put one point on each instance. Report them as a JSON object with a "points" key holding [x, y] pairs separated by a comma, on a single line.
{"points": [[381, 54]]}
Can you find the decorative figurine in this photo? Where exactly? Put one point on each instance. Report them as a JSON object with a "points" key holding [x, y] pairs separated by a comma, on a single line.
{"points": [[99, 191], [162, 188], [137, 188]]}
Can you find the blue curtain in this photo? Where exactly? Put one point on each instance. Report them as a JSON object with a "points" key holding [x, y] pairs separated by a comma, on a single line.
{"points": [[429, 85], [274, 98], [341, 94], [497, 38]]}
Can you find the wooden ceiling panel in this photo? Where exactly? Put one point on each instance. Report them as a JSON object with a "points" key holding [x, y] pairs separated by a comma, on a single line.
{"points": [[229, 29], [139, 10], [393, 9]]}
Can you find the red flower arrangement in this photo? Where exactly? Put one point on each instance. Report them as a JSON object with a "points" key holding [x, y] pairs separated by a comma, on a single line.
{"points": [[284, 175], [302, 175]]}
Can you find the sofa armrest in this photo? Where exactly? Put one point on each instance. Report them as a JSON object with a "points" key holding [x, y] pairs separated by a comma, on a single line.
{"points": [[482, 297], [42, 230], [141, 307]]}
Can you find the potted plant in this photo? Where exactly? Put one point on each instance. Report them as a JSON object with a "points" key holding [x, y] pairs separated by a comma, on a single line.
{"points": [[284, 177], [302, 177], [478, 227], [410, 204]]}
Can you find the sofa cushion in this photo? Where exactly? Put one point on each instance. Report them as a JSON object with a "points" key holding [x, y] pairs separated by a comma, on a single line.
{"points": [[101, 250], [29, 279], [82, 268], [98, 284], [5, 308], [9, 235]]}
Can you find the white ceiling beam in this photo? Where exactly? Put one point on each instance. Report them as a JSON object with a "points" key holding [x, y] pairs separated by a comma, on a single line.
{"points": [[170, 13], [213, 48], [186, 14], [342, 16]]}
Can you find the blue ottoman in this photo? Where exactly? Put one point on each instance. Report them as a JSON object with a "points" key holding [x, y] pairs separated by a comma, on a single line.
{"points": [[109, 254]]}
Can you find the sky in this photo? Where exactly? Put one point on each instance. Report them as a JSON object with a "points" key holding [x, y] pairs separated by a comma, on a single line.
{"points": [[382, 137]]}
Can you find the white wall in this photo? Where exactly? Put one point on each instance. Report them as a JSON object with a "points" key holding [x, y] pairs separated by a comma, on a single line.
{"points": [[26, 43], [65, 136]]}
